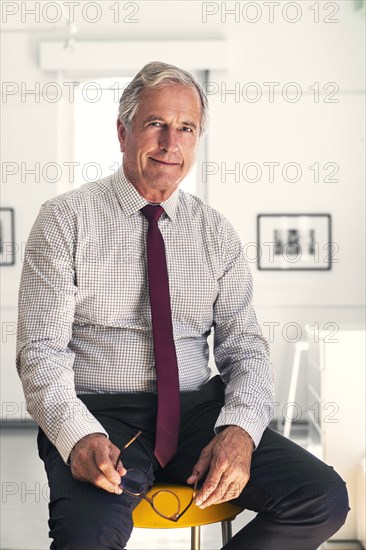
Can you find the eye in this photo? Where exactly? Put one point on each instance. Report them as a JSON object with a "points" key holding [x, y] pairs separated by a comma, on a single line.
{"points": [[187, 129], [156, 124]]}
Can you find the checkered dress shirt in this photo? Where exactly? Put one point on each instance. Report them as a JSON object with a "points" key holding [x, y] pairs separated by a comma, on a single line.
{"points": [[84, 321]]}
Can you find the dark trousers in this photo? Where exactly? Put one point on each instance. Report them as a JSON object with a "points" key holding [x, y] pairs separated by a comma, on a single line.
{"points": [[299, 500]]}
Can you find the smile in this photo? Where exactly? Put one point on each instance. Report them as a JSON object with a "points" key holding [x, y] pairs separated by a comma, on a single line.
{"points": [[165, 163]]}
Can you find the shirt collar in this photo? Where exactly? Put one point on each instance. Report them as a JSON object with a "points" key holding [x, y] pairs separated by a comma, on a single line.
{"points": [[130, 199]]}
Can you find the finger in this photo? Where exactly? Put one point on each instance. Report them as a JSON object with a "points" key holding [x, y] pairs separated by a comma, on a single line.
{"points": [[216, 494], [104, 463], [210, 484], [195, 475], [89, 472], [101, 481], [204, 494], [233, 491], [115, 455], [219, 465], [201, 465], [230, 487], [121, 469]]}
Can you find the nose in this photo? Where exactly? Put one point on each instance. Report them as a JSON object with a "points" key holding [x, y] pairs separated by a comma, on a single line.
{"points": [[168, 140]]}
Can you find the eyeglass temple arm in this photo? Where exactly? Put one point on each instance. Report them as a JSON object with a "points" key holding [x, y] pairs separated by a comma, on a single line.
{"points": [[132, 440], [127, 445], [194, 492]]}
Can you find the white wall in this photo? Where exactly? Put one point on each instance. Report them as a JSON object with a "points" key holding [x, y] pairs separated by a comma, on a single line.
{"points": [[304, 132], [280, 131]]}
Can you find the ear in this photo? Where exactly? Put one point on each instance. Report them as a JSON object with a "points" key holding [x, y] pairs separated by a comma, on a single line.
{"points": [[121, 131]]}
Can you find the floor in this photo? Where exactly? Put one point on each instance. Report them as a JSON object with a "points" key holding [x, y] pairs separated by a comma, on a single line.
{"points": [[24, 509]]}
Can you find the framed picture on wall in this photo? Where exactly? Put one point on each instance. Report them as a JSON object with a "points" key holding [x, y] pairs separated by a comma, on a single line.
{"points": [[288, 242], [7, 236]]}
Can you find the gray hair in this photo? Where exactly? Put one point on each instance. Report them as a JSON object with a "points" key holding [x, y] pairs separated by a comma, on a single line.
{"points": [[153, 75]]}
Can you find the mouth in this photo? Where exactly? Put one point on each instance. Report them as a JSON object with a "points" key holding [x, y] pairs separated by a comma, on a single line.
{"points": [[164, 163]]}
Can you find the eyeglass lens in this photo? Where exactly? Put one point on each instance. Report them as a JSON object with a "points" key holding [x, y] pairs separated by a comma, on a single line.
{"points": [[134, 482], [164, 502]]}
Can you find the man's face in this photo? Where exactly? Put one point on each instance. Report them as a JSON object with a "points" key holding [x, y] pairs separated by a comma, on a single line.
{"points": [[161, 147]]}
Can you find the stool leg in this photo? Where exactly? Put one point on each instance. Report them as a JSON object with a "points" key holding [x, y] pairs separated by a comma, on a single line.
{"points": [[195, 538], [226, 531]]}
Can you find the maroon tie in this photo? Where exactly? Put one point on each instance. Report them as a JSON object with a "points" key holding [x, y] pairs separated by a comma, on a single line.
{"points": [[167, 378]]}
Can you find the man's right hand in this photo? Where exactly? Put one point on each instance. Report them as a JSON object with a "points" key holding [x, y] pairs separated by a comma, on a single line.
{"points": [[93, 459]]}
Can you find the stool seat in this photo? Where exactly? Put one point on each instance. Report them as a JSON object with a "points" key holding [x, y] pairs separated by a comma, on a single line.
{"points": [[145, 517]]}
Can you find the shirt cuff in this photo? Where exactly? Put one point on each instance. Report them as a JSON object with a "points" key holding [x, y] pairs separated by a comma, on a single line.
{"points": [[71, 432], [255, 428]]}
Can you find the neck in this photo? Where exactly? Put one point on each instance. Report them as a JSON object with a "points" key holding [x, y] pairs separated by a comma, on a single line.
{"points": [[153, 195], [148, 191]]}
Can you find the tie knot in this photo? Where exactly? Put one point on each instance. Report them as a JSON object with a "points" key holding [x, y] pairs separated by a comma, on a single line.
{"points": [[152, 212]]}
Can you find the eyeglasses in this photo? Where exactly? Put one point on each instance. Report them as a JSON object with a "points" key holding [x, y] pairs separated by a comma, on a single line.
{"points": [[164, 502]]}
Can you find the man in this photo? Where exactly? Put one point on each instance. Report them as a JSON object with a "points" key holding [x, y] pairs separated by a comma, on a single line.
{"points": [[122, 283]]}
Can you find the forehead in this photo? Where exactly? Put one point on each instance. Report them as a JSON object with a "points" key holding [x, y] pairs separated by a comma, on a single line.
{"points": [[170, 100]]}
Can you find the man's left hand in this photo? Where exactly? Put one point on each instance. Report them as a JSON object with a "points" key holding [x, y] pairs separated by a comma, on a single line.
{"points": [[228, 456]]}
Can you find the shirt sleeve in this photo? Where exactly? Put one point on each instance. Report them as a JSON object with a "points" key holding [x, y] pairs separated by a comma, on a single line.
{"points": [[241, 352], [46, 309]]}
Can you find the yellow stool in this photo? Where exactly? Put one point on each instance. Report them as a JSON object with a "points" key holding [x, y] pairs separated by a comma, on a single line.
{"points": [[145, 517]]}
